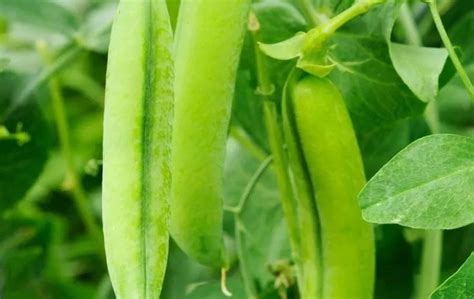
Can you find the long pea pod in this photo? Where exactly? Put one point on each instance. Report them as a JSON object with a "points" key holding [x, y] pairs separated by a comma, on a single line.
{"points": [[310, 255], [332, 160], [208, 43], [137, 148]]}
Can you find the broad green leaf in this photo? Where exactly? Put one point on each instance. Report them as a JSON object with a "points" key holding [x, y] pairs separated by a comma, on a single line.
{"points": [[419, 68], [460, 285], [260, 228], [427, 185], [247, 110], [182, 272], [44, 14], [22, 161], [373, 90]]}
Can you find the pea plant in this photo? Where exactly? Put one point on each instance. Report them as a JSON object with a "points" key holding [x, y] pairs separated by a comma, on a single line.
{"points": [[270, 149]]}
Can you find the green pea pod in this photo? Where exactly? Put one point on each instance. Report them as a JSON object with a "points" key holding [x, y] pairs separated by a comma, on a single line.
{"points": [[333, 162], [209, 39], [137, 148], [311, 284]]}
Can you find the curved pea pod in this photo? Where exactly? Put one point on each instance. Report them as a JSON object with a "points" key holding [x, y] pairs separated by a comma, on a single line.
{"points": [[333, 162], [209, 39], [137, 148]]}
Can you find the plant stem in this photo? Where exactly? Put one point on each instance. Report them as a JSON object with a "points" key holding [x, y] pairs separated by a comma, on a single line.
{"points": [[430, 263], [286, 196], [319, 35], [275, 136], [72, 178], [426, 23], [449, 46], [252, 183]]}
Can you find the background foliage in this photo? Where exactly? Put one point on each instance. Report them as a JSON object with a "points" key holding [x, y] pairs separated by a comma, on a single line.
{"points": [[51, 49]]}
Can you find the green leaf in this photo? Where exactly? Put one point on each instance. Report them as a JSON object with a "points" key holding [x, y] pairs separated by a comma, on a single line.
{"points": [[260, 228], [247, 109], [427, 185], [181, 273], [39, 13], [285, 50], [419, 68], [21, 162], [374, 92], [460, 285]]}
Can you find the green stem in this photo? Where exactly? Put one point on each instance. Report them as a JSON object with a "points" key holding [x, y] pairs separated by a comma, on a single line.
{"points": [[252, 183], [426, 22], [72, 178], [286, 196], [319, 35], [449, 46], [430, 263], [274, 132]]}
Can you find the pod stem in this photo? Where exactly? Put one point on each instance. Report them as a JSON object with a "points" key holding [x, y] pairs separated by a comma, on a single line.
{"points": [[275, 136]]}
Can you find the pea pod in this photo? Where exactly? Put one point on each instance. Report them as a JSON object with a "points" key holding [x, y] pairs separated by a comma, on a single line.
{"points": [[137, 148], [209, 39], [333, 162]]}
